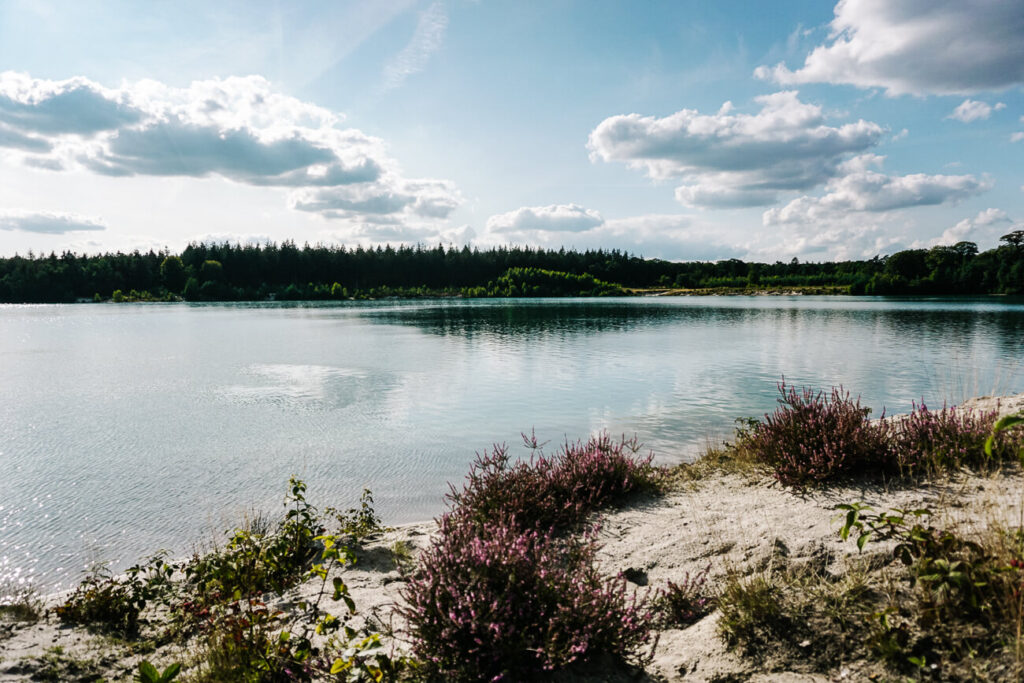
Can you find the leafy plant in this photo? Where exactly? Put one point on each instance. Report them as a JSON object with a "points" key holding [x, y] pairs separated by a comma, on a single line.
{"points": [[358, 524], [258, 559], [1004, 424], [114, 603], [149, 673], [247, 640], [966, 592]]}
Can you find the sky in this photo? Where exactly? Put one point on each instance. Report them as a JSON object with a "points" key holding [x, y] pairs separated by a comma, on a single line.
{"points": [[680, 130]]}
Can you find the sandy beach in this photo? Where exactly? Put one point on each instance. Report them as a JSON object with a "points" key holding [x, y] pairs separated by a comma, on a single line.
{"points": [[727, 522]]}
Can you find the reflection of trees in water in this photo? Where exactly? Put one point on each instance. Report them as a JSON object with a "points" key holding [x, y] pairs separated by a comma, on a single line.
{"points": [[958, 328], [533, 321], [940, 326]]}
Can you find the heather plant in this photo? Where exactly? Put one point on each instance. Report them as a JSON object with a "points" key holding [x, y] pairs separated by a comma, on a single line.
{"points": [[502, 593], [553, 491], [686, 602], [496, 603], [950, 438], [813, 437]]}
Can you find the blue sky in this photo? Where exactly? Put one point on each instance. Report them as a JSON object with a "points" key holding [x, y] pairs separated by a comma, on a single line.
{"points": [[680, 130]]}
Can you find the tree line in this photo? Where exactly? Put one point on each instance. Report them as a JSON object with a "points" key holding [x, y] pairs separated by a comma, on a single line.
{"points": [[218, 272]]}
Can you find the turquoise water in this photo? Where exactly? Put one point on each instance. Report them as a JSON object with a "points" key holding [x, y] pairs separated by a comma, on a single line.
{"points": [[129, 428]]}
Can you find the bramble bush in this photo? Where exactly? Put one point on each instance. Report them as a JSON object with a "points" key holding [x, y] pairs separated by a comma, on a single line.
{"points": [[502, 593], [965, 597]]}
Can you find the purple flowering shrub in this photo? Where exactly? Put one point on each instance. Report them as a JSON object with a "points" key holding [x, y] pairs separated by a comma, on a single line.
{"points": [[559, 490], [812, 437], [502, 592], [943, 439], [496, 603]]}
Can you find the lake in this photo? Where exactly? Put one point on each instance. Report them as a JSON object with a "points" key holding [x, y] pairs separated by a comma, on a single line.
{"points": [[129, 428]]}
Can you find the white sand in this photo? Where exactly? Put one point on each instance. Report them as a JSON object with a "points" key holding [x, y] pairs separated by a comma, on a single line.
{"points": [[724, 520]]}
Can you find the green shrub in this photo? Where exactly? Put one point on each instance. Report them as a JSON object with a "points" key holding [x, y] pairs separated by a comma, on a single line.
{"points": [[114, 603], [751, 612]]}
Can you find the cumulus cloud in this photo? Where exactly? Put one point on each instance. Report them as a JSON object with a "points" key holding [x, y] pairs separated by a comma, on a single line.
{"points": [[553, 218], [969, 229], [973, 110], [54, 107], [917, 47], [47, 222], [840, 241], [866, 190], [239, 129], [669, 236], [731, 159], [426, 40], [425, 198], [17, 140]]}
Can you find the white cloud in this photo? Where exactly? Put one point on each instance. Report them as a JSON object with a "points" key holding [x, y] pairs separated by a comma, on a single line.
{"points": [[47, 222], [968, 228], [1017, 137], [553, 218], [842, 240], [389, 197], [917, 47], [669, 236], [426, 40], [239, 129], [972, 110], [729, 160], [865, 190]]}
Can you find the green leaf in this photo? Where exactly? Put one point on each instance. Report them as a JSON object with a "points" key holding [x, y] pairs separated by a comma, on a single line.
{"points": [[170, 673], [339, 666], [862, 540], [1004, 423], [148, 672]]}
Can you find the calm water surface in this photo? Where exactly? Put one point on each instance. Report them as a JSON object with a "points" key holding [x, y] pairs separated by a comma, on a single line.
{"points": [[129, 428]]}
